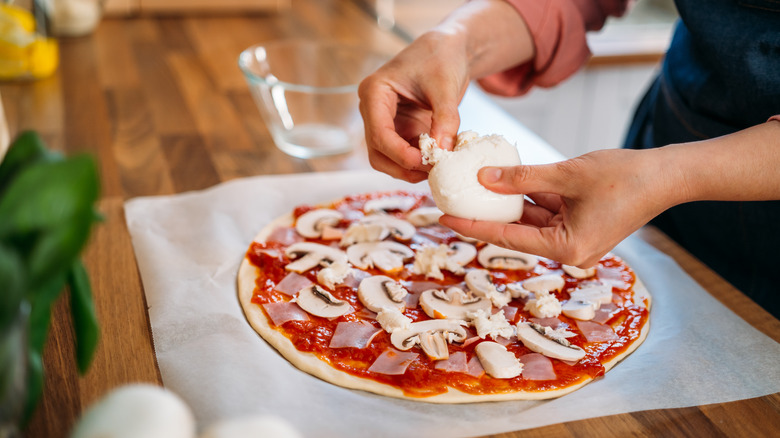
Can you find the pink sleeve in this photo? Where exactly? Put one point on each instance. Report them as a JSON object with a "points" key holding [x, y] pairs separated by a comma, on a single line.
{"points": [[558, 29]]}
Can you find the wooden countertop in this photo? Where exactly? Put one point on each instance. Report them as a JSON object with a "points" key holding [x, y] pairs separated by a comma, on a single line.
{"points": [[163, 107]]}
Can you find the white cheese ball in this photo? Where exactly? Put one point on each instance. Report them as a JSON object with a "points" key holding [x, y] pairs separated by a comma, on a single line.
{"points": [[137, 410], [454, 184]]}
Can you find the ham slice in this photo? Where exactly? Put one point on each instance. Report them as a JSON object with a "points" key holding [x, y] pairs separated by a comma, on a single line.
{"points": [[553, 323], [353, 334], [284, 235], [595, 332], [537, 367], [392, 362], [284, 311], [604, 313], [475, 367], [456, 363], [292, 283], [355, 277], [510, 312]]}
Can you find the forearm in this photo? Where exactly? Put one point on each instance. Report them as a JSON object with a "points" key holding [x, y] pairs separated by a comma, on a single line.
{"points": [[744, 166], [492, 33]]}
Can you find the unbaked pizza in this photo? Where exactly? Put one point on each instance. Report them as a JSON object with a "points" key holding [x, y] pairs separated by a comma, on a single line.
{"points": [[370, 292]]}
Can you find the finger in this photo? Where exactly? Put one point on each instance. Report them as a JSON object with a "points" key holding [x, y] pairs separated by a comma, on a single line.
{"points": [[378, 105], [383, 164], [546, 178], [549, 201], [536, 215], [445, 121], [541, 241]]}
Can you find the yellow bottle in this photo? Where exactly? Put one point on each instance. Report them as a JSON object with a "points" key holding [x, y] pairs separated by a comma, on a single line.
{"points": [[25, 50]]}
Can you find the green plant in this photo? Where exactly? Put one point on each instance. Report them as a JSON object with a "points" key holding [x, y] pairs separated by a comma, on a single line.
{"points": [[46, 214]]}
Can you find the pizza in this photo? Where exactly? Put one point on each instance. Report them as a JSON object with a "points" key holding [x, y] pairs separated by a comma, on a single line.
{"points": [[370, 292]]}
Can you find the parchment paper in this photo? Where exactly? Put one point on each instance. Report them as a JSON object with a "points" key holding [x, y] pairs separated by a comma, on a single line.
{"points": [[189, 247]]}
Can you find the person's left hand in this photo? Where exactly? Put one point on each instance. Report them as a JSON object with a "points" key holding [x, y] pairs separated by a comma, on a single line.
{"points": [[581, 209]]}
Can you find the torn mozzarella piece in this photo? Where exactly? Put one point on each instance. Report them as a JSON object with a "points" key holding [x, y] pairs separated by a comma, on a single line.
{"points": [[430, 260], [453, 178], [391, 319], [497, 361], [543, 305], [494, 325], [334, 274]]}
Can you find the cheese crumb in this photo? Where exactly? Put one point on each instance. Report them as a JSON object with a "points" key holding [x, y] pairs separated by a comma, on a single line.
{"points": [[543, 305], [494, 325]]}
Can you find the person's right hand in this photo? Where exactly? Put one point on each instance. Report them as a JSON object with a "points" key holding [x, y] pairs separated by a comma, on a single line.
{"points": [[416, 92]]}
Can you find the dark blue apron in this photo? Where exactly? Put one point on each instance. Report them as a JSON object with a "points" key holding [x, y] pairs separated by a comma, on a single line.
{"points": [[721, 74]]}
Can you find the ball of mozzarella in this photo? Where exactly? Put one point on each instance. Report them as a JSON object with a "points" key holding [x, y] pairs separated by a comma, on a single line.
{"points": [[137, 410], [453, 178]]}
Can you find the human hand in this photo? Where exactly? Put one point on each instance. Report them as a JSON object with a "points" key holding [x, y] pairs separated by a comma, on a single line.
{"points": [[582, 208], [417, 92]]}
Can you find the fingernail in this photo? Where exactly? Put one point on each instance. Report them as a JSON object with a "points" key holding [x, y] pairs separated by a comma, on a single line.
{"points": [[490, 174]]}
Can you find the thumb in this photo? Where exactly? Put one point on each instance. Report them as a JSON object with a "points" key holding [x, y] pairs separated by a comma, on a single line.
{"points": [[445, 121], [520, 179]]}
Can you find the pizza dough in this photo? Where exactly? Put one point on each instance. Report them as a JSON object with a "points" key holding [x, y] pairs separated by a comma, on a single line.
{"points": [[356, 367]]}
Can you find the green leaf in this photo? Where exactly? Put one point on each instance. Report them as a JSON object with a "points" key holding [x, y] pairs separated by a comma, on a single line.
{"points": [[46, 195], [82, 309], [26, 149], [13, 286]]}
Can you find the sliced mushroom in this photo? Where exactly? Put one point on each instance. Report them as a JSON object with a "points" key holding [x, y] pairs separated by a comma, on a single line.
{"points": [[313, 222], [462, 253], [579, 273], [391, 319], [388, 203], [452, 304], [433, 336], [578, 309], [320, 302], [398, 228], [496, 257], [547, 282], [594, 292], [385, 255], [497, 361], [310, 254], [534, 338], [480, 283], [517, 290], [379, 292], [424, 216]]}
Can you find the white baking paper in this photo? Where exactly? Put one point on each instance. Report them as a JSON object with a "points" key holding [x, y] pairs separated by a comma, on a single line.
{"points": [[189, 247]]}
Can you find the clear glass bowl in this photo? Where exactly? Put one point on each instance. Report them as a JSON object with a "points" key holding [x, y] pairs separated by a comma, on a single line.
{"points": [[307, 93]]}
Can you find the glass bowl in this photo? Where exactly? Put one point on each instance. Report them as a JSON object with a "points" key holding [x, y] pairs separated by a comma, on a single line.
{"points": [[307, 93]]}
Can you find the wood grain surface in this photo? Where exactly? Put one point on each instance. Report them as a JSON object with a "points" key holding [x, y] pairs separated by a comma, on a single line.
{"points": [[162, 105]]}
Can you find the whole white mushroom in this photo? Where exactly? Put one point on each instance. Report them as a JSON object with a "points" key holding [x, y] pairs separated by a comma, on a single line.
{"points": [[453, 178], [135, 411]]}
